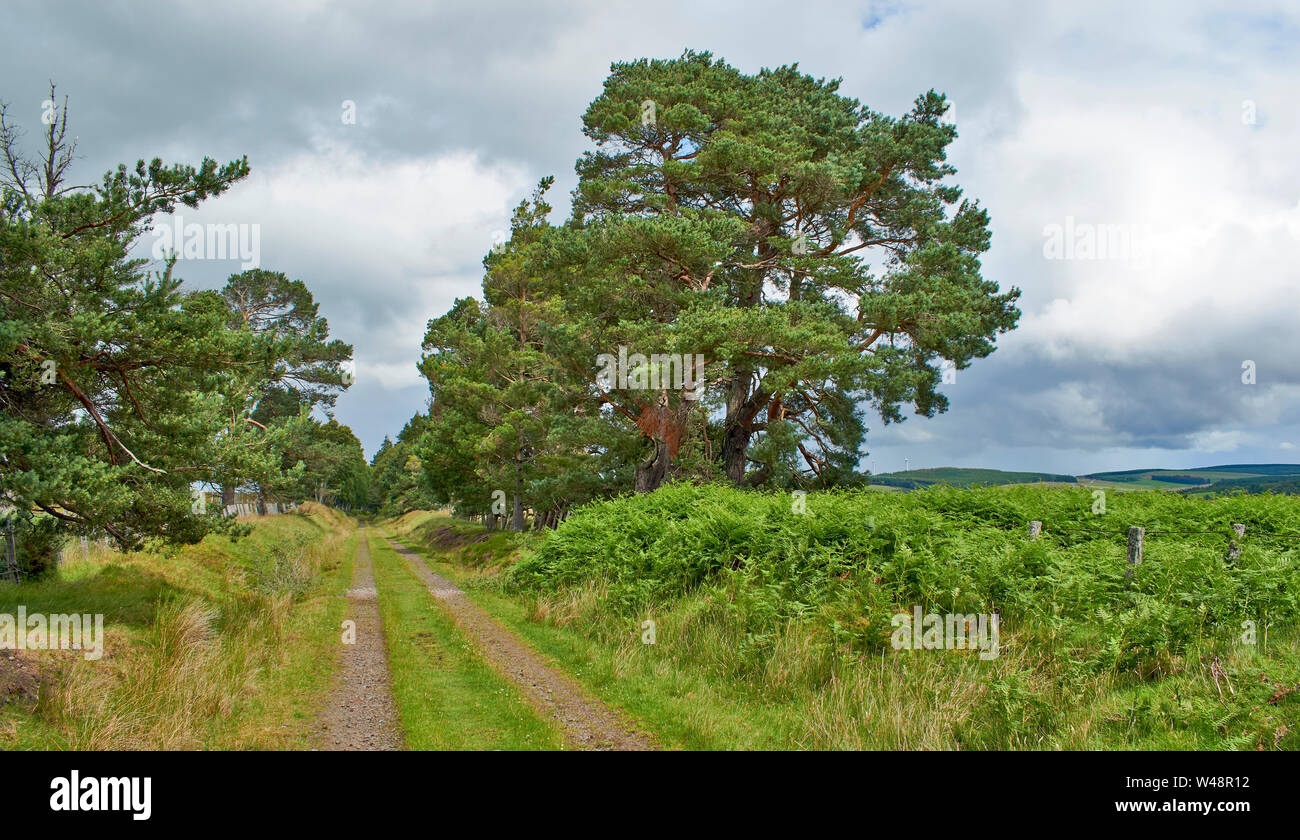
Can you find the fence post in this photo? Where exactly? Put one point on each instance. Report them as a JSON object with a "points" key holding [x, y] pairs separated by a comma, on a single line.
{"points": [[1135, 534], [1035, 528], [11, 553], [1234, 549]]}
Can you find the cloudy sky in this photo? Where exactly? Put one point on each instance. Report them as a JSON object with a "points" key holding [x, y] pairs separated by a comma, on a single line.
{"points": [[1139, 160]]}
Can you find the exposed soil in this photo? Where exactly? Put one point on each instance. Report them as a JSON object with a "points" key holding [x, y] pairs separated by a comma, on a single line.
{"points": [[587, 723], [19, 680], [448, 537], [361, 714]]}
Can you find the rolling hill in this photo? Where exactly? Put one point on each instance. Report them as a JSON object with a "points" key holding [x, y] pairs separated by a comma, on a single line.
{"points": [[1255, 477], [1250, 478], [963, 477]]}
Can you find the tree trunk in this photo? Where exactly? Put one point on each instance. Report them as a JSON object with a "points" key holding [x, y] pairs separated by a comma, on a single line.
{"points": [[734, 446], [651, 472], [227, 495], [665, 428], [742, 407], [517, 517]]}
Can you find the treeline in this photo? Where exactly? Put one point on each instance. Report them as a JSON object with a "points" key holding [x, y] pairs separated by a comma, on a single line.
{"points": [[968, 478], [1179, 478], [124, 395], [751, 262], [1289, 486]]}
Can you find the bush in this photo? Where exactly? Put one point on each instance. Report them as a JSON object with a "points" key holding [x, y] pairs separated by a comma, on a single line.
{"points": [[857, 557], [37, 542]]}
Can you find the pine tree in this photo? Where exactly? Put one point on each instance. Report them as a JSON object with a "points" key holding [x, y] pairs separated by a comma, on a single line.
{"points": [[300, 366], [111, 377], [811, 247]]}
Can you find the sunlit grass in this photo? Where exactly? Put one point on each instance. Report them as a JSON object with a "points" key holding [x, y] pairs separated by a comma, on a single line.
{"points": [[447, 696], [772, 630], [217, 645]]}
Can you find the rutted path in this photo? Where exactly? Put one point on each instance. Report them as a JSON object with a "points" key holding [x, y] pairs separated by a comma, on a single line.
{"points": [[587, 723], [361, 714]]}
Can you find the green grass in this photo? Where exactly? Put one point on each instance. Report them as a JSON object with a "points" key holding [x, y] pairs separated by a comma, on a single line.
{"points": [[682, 709], [1279, 478], [773, 626], [220, 645], [963, 477], [447, 696], [283, 714]]}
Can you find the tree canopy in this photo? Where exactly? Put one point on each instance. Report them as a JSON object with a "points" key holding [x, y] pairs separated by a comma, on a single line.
{"points": [[801, 258], [121, 393]]}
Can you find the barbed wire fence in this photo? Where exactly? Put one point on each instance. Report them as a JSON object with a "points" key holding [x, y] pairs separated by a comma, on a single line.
{"points": [[1137, 535], [1160, 532]]}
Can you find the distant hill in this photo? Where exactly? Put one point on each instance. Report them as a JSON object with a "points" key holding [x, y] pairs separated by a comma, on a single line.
{"points": [[1224, 478], [1256, 469], [1212, 479], [1286, 485], [962, 477]]}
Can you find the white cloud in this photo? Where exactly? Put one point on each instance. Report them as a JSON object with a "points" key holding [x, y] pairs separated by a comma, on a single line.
{"points": [[1219, 441], [383, 244], [1113, 113]]}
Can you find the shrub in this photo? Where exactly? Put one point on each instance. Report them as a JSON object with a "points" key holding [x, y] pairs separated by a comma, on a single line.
{"points": [[857, 557]]}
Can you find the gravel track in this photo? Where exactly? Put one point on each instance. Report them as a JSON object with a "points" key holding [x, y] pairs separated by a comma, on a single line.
{"points": [[587, 723], [361, 714]]}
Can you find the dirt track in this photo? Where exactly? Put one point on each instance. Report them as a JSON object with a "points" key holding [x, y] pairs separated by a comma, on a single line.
{"points": [[587, 723], [361, 714]]}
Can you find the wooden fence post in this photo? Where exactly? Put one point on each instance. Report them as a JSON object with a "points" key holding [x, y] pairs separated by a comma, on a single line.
{"points": [[1135, 534], [1234, 549], [10, 554], [1035, 528]]}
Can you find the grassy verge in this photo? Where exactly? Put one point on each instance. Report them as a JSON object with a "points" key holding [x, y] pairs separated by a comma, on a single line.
{"points": [[218, 645], [447, 696], [685, 709], [771, 634]]}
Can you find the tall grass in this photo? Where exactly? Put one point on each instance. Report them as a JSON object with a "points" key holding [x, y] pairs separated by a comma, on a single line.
{"points": [[853, 560], [178, 675], [768, 605]]}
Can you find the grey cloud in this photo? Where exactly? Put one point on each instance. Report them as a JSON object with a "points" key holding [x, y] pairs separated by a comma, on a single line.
{"points": [[507, 83]]}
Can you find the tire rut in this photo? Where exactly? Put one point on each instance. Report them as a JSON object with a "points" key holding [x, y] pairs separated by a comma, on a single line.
{"points": [[361, 714], [587, 723]]}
